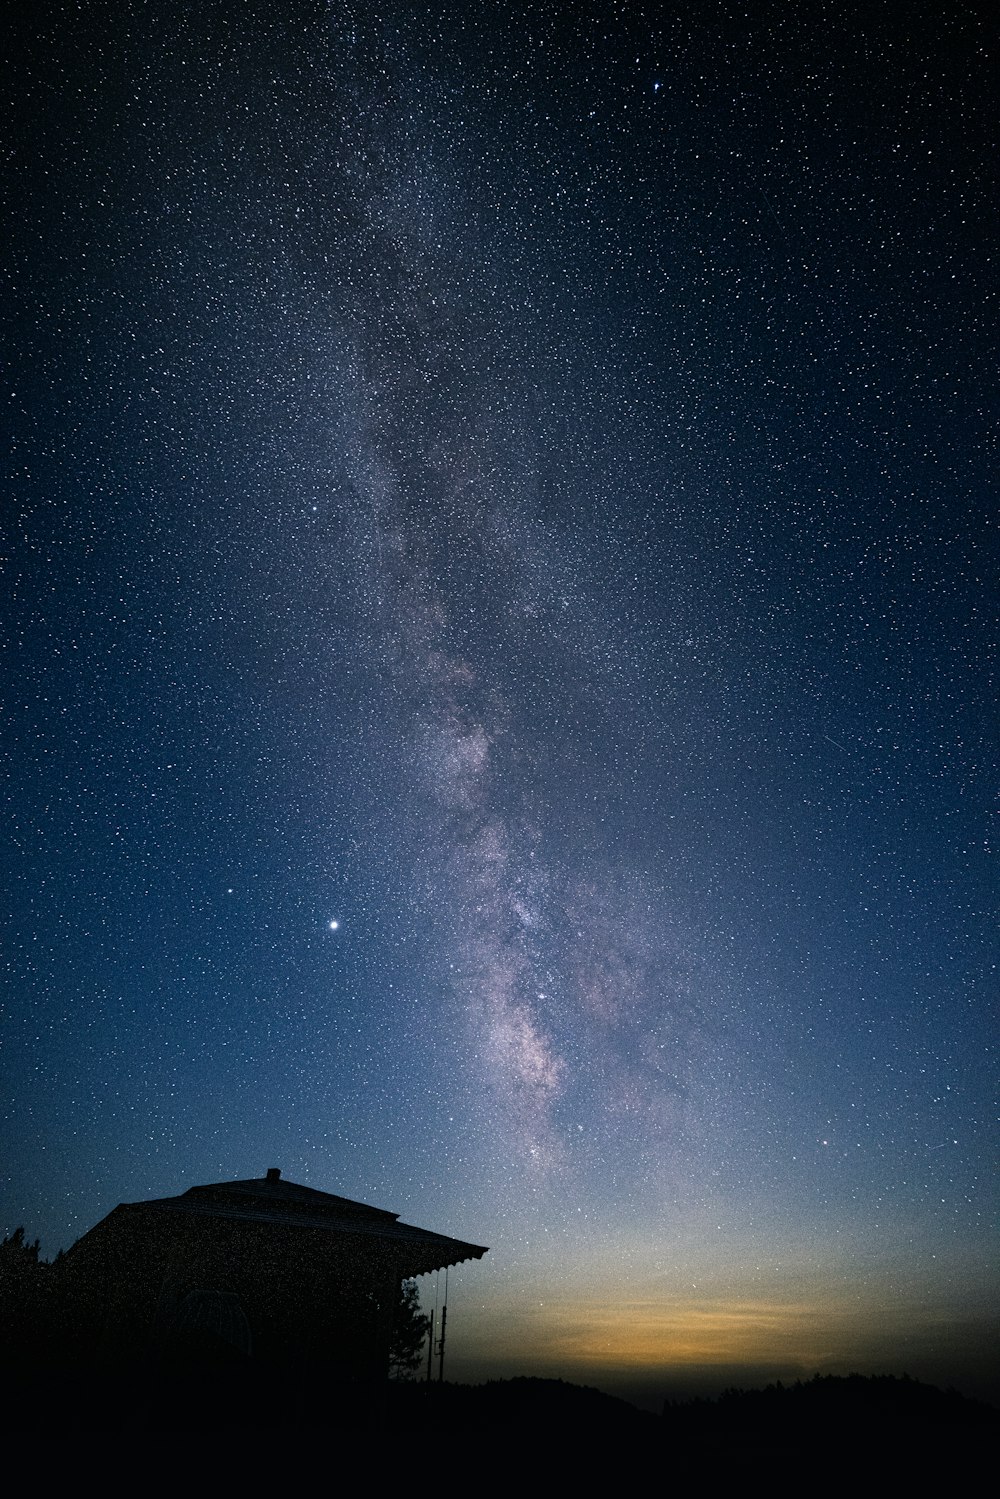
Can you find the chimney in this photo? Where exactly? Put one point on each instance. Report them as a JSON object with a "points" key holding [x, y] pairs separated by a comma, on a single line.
{"points": [[273, 1174]]}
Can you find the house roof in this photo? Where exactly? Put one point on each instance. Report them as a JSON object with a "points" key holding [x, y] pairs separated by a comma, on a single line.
{"points": [[268, 1199]]}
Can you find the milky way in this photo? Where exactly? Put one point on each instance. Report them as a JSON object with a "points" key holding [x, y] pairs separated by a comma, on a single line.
{"points": [[576, 1000]]}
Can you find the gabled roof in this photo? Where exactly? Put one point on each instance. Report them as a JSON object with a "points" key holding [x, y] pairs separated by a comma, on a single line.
{"points": [[268, 1199]]}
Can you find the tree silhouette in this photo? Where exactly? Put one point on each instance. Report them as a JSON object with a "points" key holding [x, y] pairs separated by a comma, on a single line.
{"points": [[409, 1332], [18, 1259], [23, 1283]]}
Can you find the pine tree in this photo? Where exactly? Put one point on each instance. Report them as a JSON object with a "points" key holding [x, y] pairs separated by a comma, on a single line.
{"points": [[409, 1332]]}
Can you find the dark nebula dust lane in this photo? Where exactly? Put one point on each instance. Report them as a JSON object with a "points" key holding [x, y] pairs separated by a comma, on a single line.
{"points": [[498, 637]]}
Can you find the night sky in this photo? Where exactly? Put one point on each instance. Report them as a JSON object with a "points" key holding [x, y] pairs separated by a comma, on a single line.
{"points": [[500, 584]]}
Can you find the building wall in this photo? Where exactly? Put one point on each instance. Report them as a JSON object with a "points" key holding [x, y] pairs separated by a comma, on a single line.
{"points": [[311, 1298]]}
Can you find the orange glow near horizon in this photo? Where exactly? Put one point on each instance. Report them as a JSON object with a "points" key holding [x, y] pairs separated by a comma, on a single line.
{"points": [[637, 1335], [581, 1339]]}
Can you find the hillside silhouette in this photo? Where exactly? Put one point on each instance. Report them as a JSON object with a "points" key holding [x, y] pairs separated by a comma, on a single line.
{"points": [[879, 1425]]}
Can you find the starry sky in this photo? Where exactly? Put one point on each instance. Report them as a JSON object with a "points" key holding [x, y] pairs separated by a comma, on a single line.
{"points": [[499, 597]]}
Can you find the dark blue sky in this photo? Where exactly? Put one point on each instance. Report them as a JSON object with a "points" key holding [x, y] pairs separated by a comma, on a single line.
{"points": [[518, 487]]}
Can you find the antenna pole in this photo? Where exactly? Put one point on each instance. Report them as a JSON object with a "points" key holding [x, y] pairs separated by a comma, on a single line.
{"points": [[444, 1318], [430, 1348]]}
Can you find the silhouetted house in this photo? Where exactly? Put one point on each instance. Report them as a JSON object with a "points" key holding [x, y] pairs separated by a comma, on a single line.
{"points": [[261, 1273]]}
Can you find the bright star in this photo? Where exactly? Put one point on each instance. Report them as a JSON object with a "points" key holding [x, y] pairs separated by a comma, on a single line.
{"points": [[334, 925]]}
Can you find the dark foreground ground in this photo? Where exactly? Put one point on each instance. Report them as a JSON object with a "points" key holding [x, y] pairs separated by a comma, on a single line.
{"points": [[877, 1431]]}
